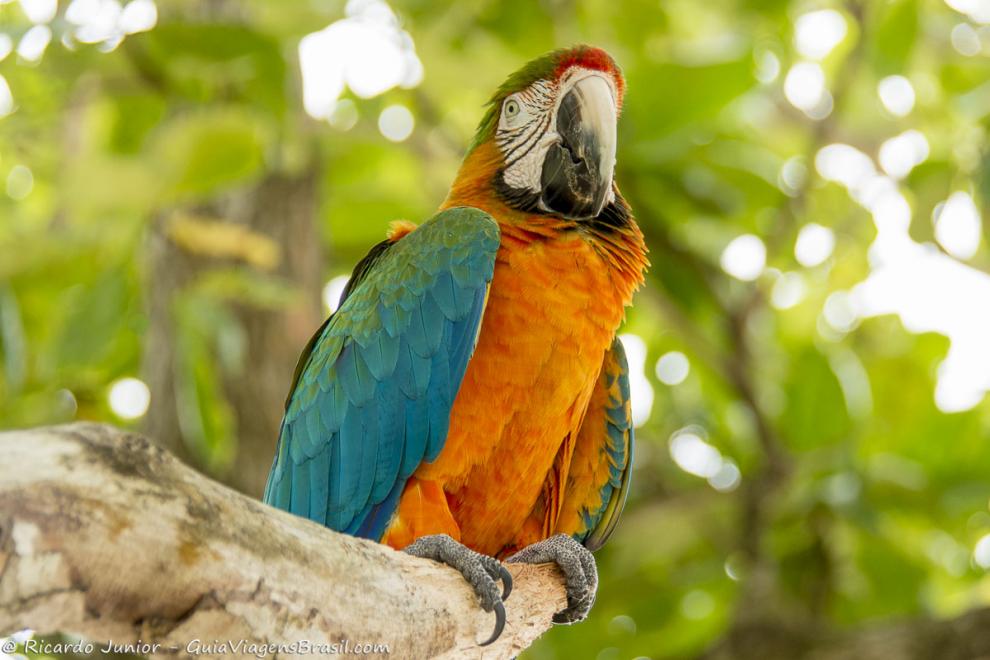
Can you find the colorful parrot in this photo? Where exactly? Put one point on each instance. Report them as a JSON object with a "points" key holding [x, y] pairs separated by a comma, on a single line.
{"points": [[469, 400]]}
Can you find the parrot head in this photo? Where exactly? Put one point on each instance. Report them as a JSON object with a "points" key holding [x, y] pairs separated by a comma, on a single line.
{"points": [[546, 145]]}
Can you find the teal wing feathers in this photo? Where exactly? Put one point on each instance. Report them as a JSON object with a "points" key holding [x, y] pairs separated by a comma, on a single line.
{"points": [[600, 483], [371, 400]]}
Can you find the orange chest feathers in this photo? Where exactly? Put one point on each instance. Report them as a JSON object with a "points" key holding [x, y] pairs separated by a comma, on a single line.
{"points": [[552, 311]]}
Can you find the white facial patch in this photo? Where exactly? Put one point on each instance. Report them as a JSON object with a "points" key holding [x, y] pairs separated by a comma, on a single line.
{"points": [[527, 127], [525, 133]]}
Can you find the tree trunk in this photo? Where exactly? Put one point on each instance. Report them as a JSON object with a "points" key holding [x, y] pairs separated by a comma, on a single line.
{"points": [[283, 209], [279, 210], [106, 535]]}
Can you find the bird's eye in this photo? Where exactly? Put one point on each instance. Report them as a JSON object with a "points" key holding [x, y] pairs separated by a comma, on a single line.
{"points": [[511, 108]]}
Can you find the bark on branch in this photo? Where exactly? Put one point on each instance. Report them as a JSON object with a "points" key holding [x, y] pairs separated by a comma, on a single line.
{"points": [[105, 535]]}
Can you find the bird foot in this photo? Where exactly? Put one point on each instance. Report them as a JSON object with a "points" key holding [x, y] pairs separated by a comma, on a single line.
{"points": [[578, 566], [481, 571]]}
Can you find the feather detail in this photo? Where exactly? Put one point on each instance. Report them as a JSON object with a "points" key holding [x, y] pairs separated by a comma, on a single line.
{"points": [[601, 465], [373, 393], [399, 228]]}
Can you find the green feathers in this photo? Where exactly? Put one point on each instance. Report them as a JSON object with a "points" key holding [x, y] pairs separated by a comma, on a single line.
{"points": [[545, 67]]}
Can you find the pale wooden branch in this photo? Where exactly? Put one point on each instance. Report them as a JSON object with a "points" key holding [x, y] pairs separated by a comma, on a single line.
{"points": [[105, 535]]}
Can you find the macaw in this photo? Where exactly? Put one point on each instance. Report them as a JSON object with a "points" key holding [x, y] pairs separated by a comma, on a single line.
{"points": [[469, 400]]}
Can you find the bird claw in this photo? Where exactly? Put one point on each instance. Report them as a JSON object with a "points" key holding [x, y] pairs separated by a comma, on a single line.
{"points": [[578, 566], [506, 577], [482, 572], [499, 625]]}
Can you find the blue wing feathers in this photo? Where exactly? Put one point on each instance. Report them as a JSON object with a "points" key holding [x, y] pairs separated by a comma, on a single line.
{"points": [[373, 398], [434, 323], [335, 483], [334, 405], [354, 375], [461, 272], [618, 448], [418, 334], [444, 295], [297, 450], [381, 355], [392, 437], [351, 440], [374, 524], [439, 401], [300, 488], [418, 378], [369, 458], [417, 427], [315, 430], [319, 486]]}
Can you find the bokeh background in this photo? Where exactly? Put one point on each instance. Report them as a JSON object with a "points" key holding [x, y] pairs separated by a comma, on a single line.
{"points": [[185, 186]]}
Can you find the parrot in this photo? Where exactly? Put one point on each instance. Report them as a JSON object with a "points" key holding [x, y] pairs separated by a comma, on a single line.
{"points": [[469, 400]]}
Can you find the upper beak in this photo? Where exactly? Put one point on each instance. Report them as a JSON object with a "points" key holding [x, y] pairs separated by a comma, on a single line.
{"points": [[577, 170]]}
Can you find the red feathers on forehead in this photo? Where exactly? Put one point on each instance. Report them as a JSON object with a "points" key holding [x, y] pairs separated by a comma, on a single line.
{"points": [[590, 57]]}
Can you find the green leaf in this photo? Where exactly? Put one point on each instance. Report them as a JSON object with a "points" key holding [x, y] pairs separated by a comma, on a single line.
{"points": [[94, 322], [815, 413], [13, 345], [215, 62], [134, 116], [895, 35], [204, 152], [665, 97], [205, 415]]}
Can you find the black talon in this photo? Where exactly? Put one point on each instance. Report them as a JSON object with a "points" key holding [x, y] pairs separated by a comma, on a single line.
{"points": [[482, 573], [506, 581], [499, 620], [578, 566]]}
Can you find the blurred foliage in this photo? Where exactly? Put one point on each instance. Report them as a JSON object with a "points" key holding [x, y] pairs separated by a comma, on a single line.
{"points": [[871, 499]]}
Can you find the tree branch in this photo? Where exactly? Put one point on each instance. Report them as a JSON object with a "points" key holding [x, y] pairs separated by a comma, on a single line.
{"points": [[106, 535]]}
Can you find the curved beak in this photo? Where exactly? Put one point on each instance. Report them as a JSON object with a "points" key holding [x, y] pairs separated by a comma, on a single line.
{"points": [[577, 171]]}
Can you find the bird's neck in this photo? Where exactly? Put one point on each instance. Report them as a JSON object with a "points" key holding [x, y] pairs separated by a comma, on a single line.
{"points": [[474, 186], [615, 234]]}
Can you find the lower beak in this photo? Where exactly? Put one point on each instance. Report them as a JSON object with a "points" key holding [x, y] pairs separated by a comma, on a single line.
{"points": [[577, 170]]}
